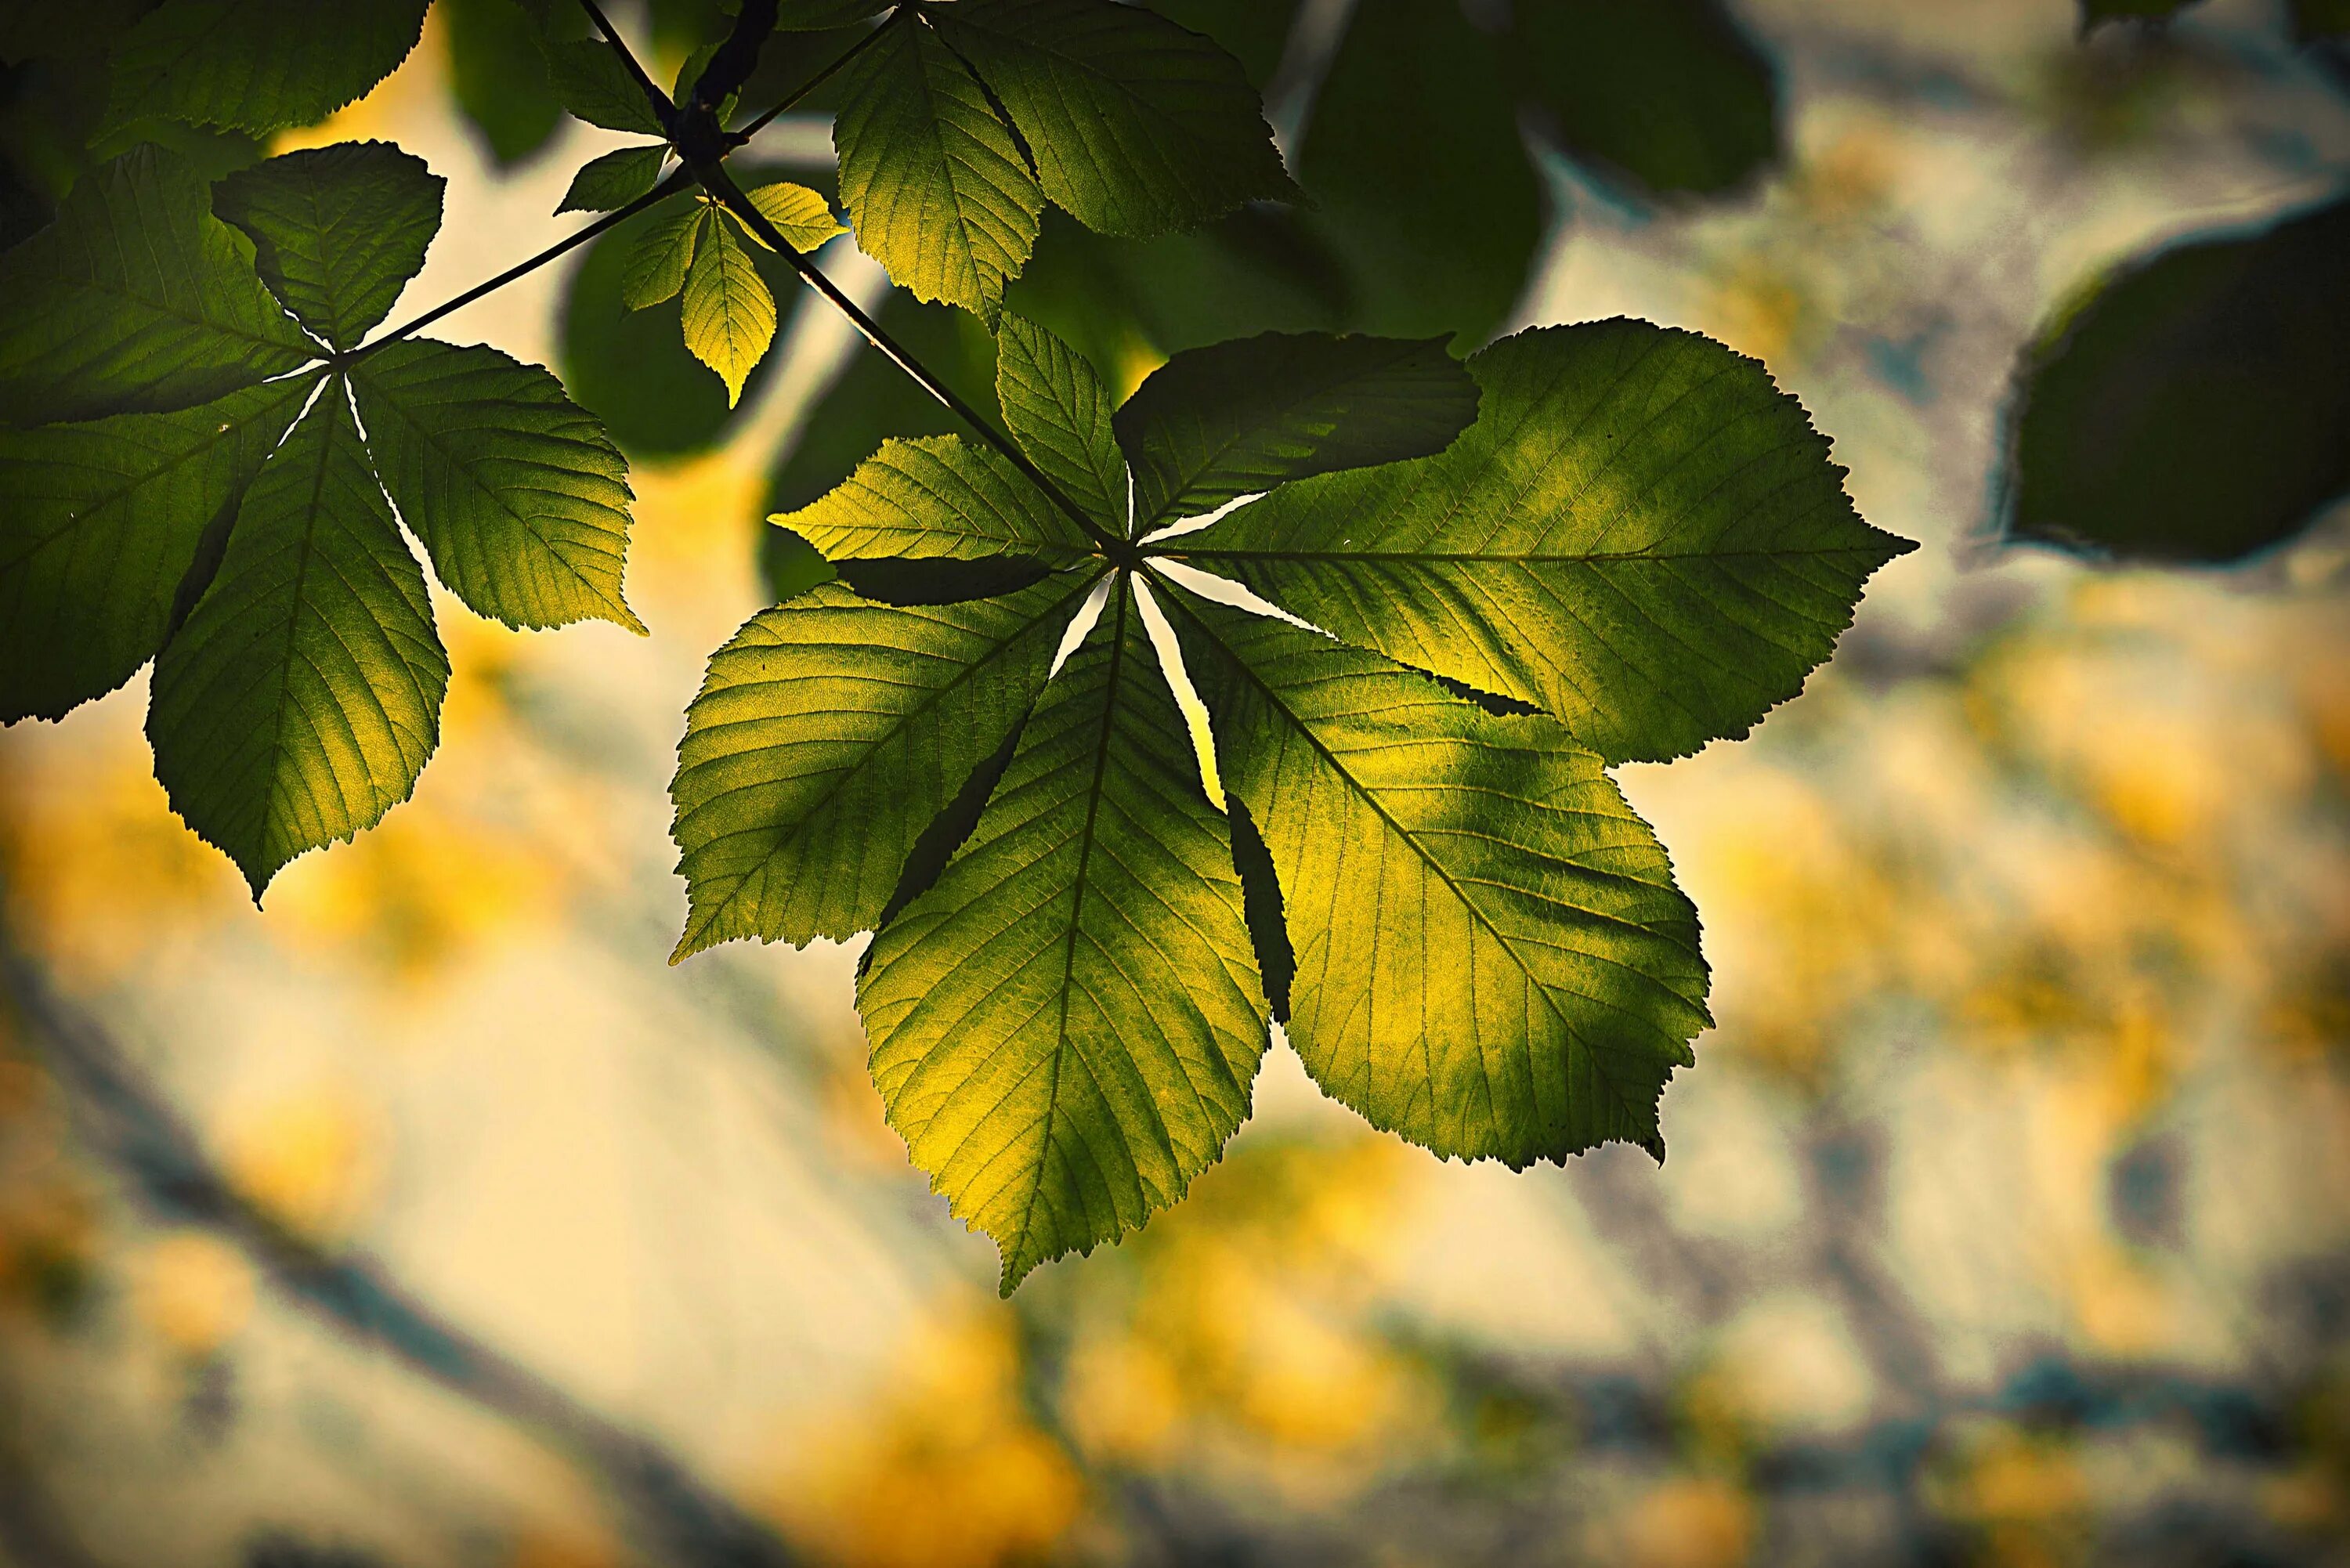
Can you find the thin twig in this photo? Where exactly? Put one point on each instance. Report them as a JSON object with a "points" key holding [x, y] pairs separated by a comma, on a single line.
{"points": [[676, 182], [720, 184], [807, 86]]}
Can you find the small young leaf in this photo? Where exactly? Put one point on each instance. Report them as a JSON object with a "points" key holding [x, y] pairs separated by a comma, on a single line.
{"points": [[936, 187], [519, 497], [829, 733], [1492, 956], [656, 269], [301, 699], [799, 214], [1138, 126], [934, 497], [257, 64], [1059, 411], [1220, 422], [1640, 534], [730, 317], [337, 231], [135, 299], [1065, 1027], [101, 523], [615, 179]]}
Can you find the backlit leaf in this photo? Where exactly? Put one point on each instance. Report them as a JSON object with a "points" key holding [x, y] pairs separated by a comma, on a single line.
{"points": [[1492, 956], [662, 256], [1067, 1026], [1136, 126], [102, 522], [933, 497], [1059, 411], [257, 64], [1640, 535], [1232, 419], [935, 186], [730, 317], [301, 699], [518, 495], [136, 299], [614, 179], [337, 231], [802, 216], [829, 733]]}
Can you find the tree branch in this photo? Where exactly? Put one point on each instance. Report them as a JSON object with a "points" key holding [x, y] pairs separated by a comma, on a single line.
{"points": [[681, 1519]]}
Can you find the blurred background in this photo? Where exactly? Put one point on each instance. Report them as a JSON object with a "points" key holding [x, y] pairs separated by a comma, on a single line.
{"points": [[430, 1218]]}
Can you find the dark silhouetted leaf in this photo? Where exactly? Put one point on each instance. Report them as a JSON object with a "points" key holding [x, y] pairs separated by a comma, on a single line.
{"points": [[2196, 406]]}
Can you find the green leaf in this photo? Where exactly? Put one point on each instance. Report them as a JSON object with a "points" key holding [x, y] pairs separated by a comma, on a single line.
{"points": [[301, 699], [934, 183], [102, 523], [730, 317], [615, 179], [828, 735], [2196, 406], [1492, 959], [1065, 1026], [520, 498], [932, 498], [1059, 411], [337, 231], [498, 77], [656, 268], [1640, 535], [136, 299], [1668, 92], [257, 64], [1138, 127], [1224, 421], [802, 216], [592, 83], [1419, 172]]}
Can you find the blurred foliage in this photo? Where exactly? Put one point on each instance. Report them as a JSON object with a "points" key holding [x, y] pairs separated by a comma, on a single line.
{"points": [[2193, 407]]}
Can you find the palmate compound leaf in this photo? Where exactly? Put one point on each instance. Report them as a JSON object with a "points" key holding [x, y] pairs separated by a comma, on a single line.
{"points": [[1478, 943], [337, 231], [257, 64], [1640, 535], [102, 523], [1067, 1025], [299, 674], [302, 697], [136, 299]]}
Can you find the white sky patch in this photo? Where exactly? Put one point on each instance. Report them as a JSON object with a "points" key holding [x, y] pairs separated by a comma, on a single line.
{"points": [[1189, 525], [1082, 623], [1224, 591], [1178, 680]]}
